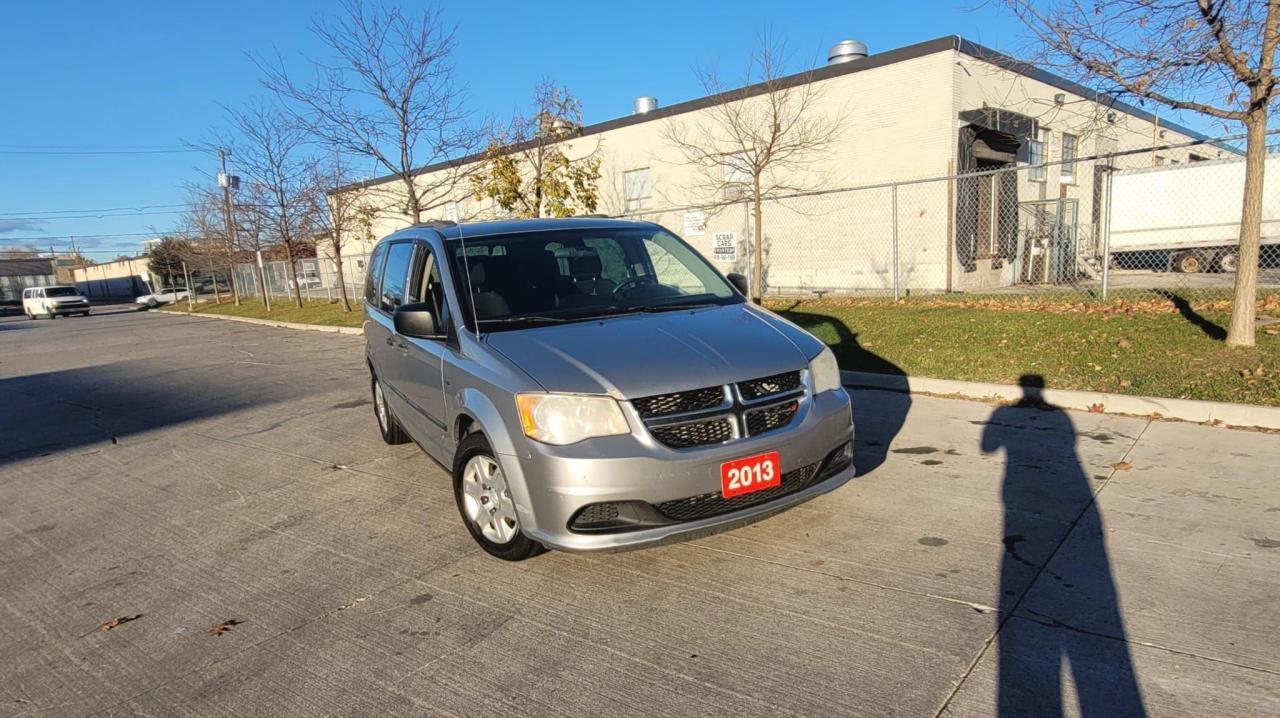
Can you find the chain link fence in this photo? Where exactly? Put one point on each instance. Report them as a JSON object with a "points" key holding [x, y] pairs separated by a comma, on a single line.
{"points": [[317, 278], [1134, 224]]}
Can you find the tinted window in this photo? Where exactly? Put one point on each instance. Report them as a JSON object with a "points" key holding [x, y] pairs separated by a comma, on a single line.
{"points": [[427, 287], [520, 279], [395, 276], [60, 292], [373, 280]]}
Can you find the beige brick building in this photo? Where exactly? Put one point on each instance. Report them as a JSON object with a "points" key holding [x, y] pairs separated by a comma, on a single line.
{"points": [[930, 110]]}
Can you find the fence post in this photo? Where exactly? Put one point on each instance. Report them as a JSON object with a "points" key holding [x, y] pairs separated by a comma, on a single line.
{"points": [[895, 243], [1106, 235]]}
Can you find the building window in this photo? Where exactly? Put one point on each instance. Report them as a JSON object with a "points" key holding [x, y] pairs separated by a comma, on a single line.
{"points": [[638, 186], [1036, 156], [1193, 157], [737, 175], [1068, 172]]}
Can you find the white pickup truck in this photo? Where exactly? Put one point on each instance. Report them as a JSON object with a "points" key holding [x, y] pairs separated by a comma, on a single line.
{"points": [[1186, 217]]}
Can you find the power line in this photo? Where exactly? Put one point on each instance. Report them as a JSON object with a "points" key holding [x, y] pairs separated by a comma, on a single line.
{"points": [[96, 152], [91, 216], [47, 237], [96, 209]]}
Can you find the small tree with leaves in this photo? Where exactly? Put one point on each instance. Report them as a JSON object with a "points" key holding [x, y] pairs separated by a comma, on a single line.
{"points": [[1213, 57], [166, 259], [526, 168], [757, 142]]}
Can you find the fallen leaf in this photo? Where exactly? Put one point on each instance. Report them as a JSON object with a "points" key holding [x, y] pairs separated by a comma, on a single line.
{"points": [[1125, 383], [1122, 466], [119, 621], [1124, 343], [1096, 408], [223, 627]]}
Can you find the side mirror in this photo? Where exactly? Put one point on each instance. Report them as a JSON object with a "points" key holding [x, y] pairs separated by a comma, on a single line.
{"points": [[739, 283], [416, 320]]}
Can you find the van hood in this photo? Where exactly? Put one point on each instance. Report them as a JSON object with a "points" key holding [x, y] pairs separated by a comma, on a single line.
{"points": [[645, 354]]}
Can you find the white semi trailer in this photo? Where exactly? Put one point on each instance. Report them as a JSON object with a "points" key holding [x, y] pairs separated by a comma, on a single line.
{"points": [[1186, 217]]}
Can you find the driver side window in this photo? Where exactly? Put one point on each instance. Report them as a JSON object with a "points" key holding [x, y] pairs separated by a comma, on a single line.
{"points": [[428, 287]]}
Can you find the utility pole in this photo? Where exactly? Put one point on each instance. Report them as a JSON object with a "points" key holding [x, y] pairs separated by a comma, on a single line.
{"points": [[227, 181]]}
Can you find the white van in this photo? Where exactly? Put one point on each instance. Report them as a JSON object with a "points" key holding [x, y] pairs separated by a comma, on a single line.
{"points": [[52, 301]]}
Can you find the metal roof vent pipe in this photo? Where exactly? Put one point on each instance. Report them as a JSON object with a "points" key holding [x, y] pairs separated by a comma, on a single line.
{"points": [[645, 105], [846, 51]]}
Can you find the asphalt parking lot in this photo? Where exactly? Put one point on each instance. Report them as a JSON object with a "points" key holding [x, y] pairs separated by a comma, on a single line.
{"points": [[187, 473]]}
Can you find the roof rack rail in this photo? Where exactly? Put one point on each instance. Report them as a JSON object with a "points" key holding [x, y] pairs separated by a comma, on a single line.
{"points": [[593, 216], [437, 223]]}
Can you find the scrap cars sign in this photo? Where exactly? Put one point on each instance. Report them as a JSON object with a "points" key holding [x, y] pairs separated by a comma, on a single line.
{"points": [[724, 247]]}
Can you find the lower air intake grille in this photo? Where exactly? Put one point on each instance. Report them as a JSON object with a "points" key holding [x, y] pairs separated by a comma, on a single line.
{"points": [[698, 433], [708, 505]]}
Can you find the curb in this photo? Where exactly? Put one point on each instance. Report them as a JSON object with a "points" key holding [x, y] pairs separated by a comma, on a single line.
{"points": [[1202, 412], [270, 322]]}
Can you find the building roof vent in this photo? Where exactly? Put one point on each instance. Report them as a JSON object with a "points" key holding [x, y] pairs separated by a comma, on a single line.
{"points": [[846, 51], [645, 105]]}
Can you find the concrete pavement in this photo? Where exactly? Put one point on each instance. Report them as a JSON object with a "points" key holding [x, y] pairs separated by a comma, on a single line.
{"points": [[193, 472]]}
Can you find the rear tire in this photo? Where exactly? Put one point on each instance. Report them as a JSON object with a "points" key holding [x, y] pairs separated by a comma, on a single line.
{"points": [[1189, 263], [484, 501], [1229, 262], [388, 427]]}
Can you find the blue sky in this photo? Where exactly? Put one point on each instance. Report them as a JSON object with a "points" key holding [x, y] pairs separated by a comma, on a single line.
{"points": [[153, 74]]}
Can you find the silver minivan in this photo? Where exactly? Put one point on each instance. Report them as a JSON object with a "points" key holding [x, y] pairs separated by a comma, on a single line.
{"points": [[596, 384]]}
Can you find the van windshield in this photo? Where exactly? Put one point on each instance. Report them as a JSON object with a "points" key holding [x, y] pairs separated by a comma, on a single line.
{"points": [[60, 292], [578, 274]]}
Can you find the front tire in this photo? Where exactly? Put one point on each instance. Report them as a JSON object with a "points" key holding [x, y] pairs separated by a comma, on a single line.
{"points": [[485, 504], [388, 427]]}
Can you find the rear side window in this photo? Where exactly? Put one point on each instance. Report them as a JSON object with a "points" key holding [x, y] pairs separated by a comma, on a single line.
{"points": [[373, 280], [396, 275]]}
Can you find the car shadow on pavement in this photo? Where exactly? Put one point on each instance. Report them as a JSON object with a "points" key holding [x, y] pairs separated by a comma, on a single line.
{"points": [[54, 411], [878, 415], [1043, 474]]}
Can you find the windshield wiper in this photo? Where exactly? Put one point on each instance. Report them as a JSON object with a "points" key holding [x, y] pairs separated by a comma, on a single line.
{"points": [[527, 318]]}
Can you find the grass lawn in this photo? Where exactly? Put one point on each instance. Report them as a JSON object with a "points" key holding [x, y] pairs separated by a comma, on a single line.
{"points": [[1151, 350], [284, 310]]}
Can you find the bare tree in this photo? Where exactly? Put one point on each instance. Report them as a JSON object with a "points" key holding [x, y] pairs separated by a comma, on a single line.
{"points": [[1213, 57], [756, 142], [272, 153], [204, 224], [526, 168], [338, 217], [387, 94]]}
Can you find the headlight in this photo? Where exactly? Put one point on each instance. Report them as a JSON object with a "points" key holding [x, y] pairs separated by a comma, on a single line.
{"points": [[569, 418], [825, 371]]}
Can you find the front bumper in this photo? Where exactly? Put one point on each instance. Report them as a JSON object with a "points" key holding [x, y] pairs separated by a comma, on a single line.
{"points": [[69, 308], [552, 484]]}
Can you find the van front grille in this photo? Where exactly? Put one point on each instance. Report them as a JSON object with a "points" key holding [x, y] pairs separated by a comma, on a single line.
{"points": [[716, 414], [694, 433], [769, 385], [679, 402], [774, 416]]}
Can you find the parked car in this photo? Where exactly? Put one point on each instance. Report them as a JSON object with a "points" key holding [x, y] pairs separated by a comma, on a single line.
{"points": [[206, 285], [596, 384], [168, 295], [308, 280], [53, 301]]}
